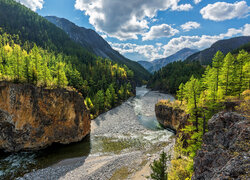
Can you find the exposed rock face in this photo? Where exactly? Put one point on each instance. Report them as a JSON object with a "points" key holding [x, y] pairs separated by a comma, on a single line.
{"points": [[170, 117], [32, 118], [225, 150]]}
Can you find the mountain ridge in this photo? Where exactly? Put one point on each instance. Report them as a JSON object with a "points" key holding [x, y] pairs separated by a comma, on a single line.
{"points": [[157, 64], [225, 45], [93, 42]]}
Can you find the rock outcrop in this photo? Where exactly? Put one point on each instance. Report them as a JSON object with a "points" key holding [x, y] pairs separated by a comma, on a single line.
{"points": [[170, 117], [32, 118], [225, 150]]}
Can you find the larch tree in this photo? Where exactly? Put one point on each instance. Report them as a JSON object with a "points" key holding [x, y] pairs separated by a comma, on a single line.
{"points": [[217, 64]]}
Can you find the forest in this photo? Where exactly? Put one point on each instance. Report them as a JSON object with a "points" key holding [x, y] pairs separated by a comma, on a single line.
{"points": [[168, 78], [227, 80], [17, 19], [35, 51], [103, 83]]}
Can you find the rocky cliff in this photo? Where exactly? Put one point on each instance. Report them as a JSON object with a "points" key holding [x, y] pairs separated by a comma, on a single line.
{"points": [[32, 118], [225, 150], [169, 116]]}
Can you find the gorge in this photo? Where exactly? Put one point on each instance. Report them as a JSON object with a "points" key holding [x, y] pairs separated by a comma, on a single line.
{"points": [[127, 138]]}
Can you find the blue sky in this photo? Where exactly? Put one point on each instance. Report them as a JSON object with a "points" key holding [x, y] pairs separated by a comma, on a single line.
{"points": [[146, 29]]}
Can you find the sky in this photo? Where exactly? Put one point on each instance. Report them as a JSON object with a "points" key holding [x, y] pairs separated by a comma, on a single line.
{"points": [[153, 29]]}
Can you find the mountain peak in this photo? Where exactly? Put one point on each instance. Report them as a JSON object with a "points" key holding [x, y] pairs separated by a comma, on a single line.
{"points": [[157, 64]]}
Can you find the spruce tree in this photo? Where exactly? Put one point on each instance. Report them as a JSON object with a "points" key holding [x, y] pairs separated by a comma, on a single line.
{"points": [[159, 168]]}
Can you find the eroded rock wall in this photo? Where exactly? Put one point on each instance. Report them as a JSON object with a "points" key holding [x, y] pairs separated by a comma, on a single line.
{"points": [[225, 150], [32, 118], [169, 117]]}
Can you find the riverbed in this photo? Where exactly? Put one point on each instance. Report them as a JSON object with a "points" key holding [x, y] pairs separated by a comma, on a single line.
{"points": [[122, 144]]}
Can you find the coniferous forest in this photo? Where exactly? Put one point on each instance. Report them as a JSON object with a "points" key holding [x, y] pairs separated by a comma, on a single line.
{"points": [[225, 82], [74, 106], [103, 83], [42, 54]]}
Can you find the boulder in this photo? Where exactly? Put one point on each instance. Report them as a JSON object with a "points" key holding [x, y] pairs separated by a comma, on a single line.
{"points": [[225, 150], [170, 117]]}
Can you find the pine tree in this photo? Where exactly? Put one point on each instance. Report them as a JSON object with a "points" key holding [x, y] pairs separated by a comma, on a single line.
{"points": [[217, 64], [61, 79], [242, 58], [108, 99], [180, 93], [226, 73], [159, 168], [99, 101]]}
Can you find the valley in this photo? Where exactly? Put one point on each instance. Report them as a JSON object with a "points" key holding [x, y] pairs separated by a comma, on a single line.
{"points": [[116, 90], [126, 137]]}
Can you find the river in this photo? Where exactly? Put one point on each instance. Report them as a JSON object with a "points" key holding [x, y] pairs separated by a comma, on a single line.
{"points": [[122, 143]]}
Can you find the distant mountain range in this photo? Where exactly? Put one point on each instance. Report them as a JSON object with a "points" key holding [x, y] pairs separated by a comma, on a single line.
{"points": [[228, 45], [157, 64], [94, 43]]}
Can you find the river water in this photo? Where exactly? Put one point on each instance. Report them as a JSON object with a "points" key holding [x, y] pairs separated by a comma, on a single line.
{"points": [[129, 127]]}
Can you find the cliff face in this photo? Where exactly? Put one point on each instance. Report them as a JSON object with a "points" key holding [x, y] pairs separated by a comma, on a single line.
{"points": [[170, 117], [32, 118], [225, 150]]}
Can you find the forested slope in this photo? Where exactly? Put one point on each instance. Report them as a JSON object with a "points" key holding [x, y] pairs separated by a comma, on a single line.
{"points": [[169, 78], [92, 41], [224, 86], [34, 50]]}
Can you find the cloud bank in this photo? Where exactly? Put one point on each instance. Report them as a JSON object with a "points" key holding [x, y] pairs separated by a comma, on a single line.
{"points": [[151, 52], [125, 19]]}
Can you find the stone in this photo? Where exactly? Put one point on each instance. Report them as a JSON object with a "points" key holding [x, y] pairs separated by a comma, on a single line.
{"points": [[225, 150], [32, 118], [169, 117]]}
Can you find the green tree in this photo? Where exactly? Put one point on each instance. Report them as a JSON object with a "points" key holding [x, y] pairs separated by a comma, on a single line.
{"points": [[242, 58], [193, 89], [159, 168], [180, 93], [99, 101], [61, 79], [217, 64], [108, 99], [226, 73]]}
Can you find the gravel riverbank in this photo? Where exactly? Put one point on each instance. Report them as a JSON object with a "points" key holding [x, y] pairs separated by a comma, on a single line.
{"points": [[121, 144]]}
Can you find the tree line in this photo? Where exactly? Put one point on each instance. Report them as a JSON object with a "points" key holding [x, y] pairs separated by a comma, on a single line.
{"points": [[169, 78]]}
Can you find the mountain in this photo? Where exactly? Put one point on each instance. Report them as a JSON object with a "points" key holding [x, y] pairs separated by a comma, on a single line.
{"points": [[35, 51], [159, 63], [225, 46], [93, 42], [146, 64]]}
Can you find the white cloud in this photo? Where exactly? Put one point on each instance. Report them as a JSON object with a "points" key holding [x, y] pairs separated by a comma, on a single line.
{"points": [[202, 42], [221, 11], [246, 30], [163, 30], [150, 52], [197, 1], [190, 25], [159, 50], [125, 19], [32, 4]]}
